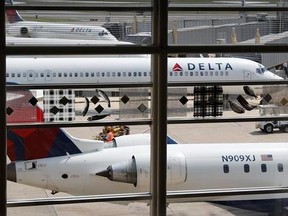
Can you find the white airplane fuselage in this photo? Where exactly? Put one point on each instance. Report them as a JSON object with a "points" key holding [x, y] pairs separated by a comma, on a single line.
{"points": [[190, 167], [89, 70], [24, 41], [32, 29]]}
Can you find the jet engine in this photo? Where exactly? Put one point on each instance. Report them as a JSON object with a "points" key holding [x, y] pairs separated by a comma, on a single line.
{"points": [[17, 31], [136, 171], [129, 140]]}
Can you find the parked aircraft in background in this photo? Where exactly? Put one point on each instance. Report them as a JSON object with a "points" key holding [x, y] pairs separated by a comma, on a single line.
{"points": [[18, 27], [85, 70]]}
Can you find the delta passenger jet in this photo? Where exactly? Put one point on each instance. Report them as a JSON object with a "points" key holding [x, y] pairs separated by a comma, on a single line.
{"points": [[18, 27], [57, 163], [89, 70]]}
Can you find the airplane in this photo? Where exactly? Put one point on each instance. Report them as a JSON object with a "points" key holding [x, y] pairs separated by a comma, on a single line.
{"points": [[53, 70], [18, 27], [58, 164]]}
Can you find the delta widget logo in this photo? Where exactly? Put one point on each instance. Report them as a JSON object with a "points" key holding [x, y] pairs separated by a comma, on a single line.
{"points": [[177, 68]]}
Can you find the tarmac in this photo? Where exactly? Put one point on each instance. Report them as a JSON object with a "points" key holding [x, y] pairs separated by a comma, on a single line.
{"points": [[235, 132]]}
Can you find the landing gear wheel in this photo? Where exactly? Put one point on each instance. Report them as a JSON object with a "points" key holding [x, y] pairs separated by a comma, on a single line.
{"points": [[268, 128]]}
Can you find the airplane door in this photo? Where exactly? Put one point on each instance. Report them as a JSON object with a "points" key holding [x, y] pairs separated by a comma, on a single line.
{"points": [[247, 75], [30, 75], [48, 75]]}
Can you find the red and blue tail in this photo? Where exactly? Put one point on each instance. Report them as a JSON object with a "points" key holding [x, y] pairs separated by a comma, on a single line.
{"points": [[33, 143], [12, 15]]}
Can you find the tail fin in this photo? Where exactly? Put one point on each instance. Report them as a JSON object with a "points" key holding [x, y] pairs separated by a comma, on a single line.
{"points": [[12, 15], [33, 143]]}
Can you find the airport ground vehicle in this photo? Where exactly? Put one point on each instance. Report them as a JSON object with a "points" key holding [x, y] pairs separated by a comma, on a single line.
{"points": [[269, 126]]}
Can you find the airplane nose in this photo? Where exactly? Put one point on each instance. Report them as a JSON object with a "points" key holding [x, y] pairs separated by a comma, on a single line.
{"points": [[275, 76], [11, 172]]}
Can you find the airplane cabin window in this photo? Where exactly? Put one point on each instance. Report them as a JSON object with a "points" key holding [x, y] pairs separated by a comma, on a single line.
{"points": [[119, 74], [108, 74], [59, 74], [54, 74], [263, 167], [65, 74], [103, 74], [211, 73], [129, 74], [226, 73], [186, 73], [7, 74], [76, 74], [87, 74], [246, 168], [135, 74], [196, 73], [18, 75], [191, 73], [216, 73], [13, 75], [81, 74], [226, 168], [280, 167], [98, 74], [221, 73], [70, 74], [41, 74], [92, 74]]}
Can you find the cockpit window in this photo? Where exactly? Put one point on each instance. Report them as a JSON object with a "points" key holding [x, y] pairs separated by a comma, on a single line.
{"points": [[102, 33], [261, 69]]}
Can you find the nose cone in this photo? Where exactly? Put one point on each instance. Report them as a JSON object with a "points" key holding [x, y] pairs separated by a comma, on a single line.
{"points": [[11, 172], [274, 76]]}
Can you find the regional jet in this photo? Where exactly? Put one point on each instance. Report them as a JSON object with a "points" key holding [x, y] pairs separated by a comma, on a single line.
{"points": [[56, 162]]}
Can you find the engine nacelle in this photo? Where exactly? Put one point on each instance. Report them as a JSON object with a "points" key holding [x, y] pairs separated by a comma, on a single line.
{"points": [[19, 31], [129, 140], [136, 171]]}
